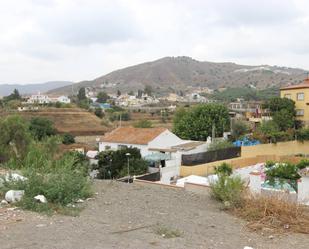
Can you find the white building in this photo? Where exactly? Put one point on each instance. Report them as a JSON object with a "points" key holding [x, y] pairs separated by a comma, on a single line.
{"points": [[158, 145], [46, 99]]}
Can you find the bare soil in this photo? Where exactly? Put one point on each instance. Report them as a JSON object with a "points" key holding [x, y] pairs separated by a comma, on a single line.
{"points": [[129, 215]]}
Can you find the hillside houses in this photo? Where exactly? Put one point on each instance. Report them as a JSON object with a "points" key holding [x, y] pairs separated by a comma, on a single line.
{"points": [[47, 99]]}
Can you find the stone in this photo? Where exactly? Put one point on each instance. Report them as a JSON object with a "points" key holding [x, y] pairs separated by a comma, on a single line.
{"points": [[40, 198], [13, 196], [14, 177], [4, 202]]}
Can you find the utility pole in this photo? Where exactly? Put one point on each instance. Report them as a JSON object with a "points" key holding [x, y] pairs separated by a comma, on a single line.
{"points": [[128, 156]]}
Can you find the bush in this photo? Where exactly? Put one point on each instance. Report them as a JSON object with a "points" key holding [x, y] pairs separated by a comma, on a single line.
{"points": [[68, 139], [220, 144], [302, 134], [224, 169], [228, 190], [41, 128], [61, 181], [114, 163], [303, 164], [239, 129], [98, 112]]}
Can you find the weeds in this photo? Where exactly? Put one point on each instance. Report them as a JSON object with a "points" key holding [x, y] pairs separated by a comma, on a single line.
{"points": [[228, 190], [166, 232], [274, 213]]}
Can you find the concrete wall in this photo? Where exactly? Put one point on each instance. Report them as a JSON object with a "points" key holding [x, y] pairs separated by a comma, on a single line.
{"points": [[208, 168], [251, 155], [283, 148]]}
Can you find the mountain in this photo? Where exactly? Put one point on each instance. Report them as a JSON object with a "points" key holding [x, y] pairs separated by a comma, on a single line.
{"points": [[7, 89], [171, 74]]}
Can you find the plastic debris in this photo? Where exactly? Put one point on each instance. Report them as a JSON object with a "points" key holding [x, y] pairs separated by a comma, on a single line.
{"points": [[14, 195], [40, 198]]}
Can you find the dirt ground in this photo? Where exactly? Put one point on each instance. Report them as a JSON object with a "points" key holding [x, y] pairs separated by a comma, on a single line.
{"points": [[128, 216]]}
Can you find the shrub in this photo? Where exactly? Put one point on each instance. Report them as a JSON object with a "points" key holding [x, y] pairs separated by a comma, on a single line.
{"points": [[68, 139], [61, 181], [224, 169], [98, 112], [114, 163], [239, 129], [228, 190], [302, 134], [41, 128], [303, 164], [220, 144]]}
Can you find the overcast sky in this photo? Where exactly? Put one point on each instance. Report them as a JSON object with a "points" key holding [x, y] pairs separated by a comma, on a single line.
{"points": [[44, 40]]}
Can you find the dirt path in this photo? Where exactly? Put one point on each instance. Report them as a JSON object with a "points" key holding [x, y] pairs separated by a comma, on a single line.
{"points": [[126, 216]]}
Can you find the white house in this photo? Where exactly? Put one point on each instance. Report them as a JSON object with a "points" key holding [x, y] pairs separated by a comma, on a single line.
{"points": [[45, 99], [157, 145], [38, 99]]}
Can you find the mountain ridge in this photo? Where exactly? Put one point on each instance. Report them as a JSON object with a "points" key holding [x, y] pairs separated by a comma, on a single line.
{"points": [[171, 74]]}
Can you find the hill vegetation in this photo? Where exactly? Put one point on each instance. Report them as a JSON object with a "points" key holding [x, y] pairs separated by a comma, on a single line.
{"points": [[170, 74]]}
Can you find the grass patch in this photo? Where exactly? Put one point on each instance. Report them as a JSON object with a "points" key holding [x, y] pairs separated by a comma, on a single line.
{"points": [[167, 232], [61, 181]]}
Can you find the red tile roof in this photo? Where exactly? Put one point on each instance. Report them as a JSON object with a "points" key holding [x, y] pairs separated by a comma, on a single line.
{"points": [[305, 84], [131, 135]]}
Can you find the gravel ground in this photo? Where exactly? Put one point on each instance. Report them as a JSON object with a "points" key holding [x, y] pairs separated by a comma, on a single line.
{"points": [[129, 216]]}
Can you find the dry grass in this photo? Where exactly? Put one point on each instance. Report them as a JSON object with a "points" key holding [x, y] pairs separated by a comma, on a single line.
{"points": [[273, 213]]}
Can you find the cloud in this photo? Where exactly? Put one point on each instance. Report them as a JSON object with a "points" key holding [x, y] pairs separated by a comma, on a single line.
{"points": [[77, 40]]}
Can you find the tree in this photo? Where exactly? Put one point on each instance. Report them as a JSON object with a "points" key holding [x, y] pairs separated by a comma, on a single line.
{"points": [[13, 96], [118, 93], [284, 119], [68, 139], [144, 123], [198, 122], [41, 128], [98, 112], [81, 94], [239, 128], [114, 163], [148, 90], [283, 112], [14, 138], [102, 97], [139, 93]]}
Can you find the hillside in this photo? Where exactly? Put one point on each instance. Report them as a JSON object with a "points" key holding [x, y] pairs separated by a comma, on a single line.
{"points": [[6, 89], [171, 74], [69, 120]]}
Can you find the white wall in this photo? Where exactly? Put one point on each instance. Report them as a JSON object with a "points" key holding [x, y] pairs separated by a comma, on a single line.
{"points": [[303, 190], [114, 146]]}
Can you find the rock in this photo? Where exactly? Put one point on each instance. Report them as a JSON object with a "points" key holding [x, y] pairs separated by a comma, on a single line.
{"points": [[14, 177], [80, 201], [14, 195], [270, 236], [4, 202], [248, 247], [40, 198]]}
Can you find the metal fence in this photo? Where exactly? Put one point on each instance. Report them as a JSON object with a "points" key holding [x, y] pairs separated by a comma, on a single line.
{"points": [[210, 156]]}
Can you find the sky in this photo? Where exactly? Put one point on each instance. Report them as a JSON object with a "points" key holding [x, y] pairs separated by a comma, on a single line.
{"points": [[75, 40]]}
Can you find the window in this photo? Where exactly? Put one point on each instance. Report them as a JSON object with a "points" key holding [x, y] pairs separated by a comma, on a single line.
{"points": [[300, 112], [288, 96], [107, 147], [122, 147], [300, 96]]}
